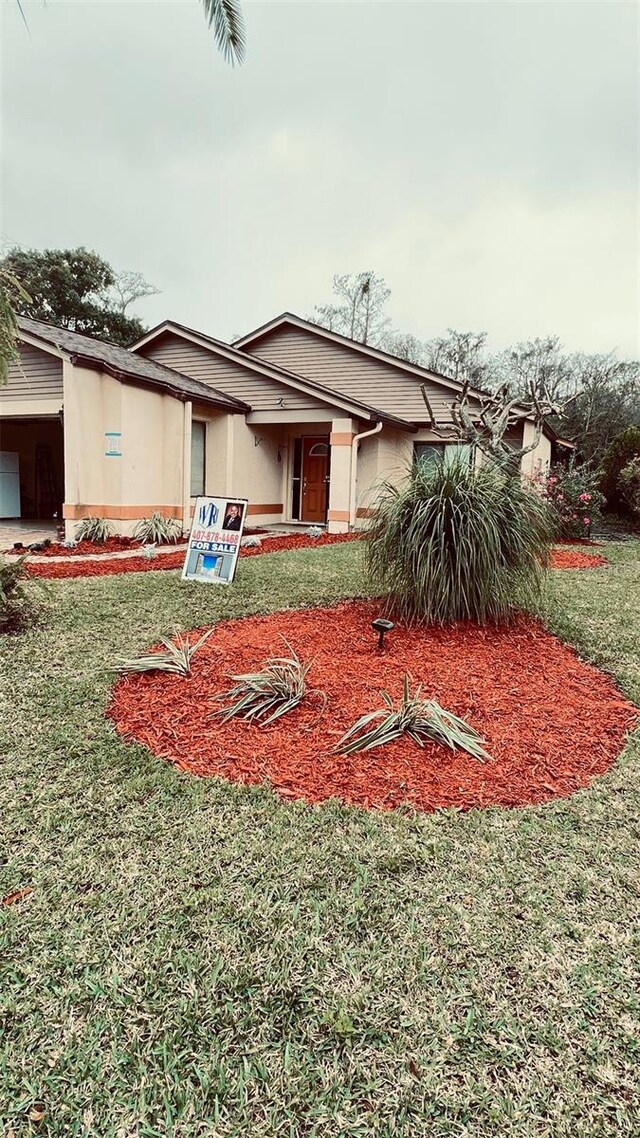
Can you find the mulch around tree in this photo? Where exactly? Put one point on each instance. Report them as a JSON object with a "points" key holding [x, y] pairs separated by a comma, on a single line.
{"points": [[572, 558], [551, 721], [138, 563]]}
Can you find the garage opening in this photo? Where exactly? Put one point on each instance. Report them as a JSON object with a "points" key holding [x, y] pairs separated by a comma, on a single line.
{"points": [[31, 468]]}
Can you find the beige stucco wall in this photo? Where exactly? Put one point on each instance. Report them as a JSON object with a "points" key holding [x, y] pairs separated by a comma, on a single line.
{"points": [[147, 476], [256, 473], [539, 459]]}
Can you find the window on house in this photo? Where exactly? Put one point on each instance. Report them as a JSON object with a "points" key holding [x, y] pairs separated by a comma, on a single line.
{"points": [[198, 457], [440, 452]]}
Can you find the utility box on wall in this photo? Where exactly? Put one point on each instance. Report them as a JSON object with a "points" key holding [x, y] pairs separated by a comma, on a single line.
{"points": [[9, 484]]}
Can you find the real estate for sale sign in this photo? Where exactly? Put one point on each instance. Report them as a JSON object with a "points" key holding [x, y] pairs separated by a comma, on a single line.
{"points": [[214, 541]]}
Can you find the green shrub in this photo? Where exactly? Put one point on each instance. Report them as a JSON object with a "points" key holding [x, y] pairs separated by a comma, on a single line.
{"points": [[15, 605], [93, 529], [629, 485], [458, 542], [573, 497], [622, 450], [158, 529]]}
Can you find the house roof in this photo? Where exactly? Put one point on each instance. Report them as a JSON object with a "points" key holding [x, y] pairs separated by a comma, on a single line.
{"points": [[276, 371], [123, 364], [365, 349], [421, 373]]}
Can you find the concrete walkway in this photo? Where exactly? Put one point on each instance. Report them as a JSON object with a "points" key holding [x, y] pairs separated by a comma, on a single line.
{"points": [[28, 531]]}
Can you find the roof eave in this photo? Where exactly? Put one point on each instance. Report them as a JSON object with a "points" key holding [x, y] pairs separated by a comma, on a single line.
{"points": [[94, 363]]}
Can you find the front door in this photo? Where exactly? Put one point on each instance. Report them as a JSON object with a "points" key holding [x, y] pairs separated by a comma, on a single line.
{"points": [[315, 478]]}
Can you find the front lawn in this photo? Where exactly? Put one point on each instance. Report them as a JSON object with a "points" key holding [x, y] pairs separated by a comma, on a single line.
{"points": [[201, 959]]}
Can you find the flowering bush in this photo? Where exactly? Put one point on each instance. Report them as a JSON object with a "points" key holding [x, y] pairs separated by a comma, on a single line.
{"points": [[575, 501]]}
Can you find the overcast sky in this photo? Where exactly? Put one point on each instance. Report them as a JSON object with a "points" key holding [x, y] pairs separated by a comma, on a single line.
{"points": [[483, 157]]}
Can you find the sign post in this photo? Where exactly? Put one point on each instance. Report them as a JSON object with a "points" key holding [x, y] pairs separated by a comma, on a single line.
{"points": [[214, 541]]}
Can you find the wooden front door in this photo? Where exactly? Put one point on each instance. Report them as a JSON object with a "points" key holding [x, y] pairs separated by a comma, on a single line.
{"points": [[315, 478]]}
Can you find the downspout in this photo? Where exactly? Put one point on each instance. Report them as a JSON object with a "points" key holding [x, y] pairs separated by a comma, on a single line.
{"points": [[354, 470], [186, 467]]}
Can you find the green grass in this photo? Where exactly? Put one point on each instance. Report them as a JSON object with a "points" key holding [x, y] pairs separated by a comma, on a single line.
{"points": [[198, 959]]}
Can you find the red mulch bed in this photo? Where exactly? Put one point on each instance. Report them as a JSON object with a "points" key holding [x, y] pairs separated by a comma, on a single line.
{"points": [[89, 548], [99, 567], [573, 559], [551, 721], [118, 544]]}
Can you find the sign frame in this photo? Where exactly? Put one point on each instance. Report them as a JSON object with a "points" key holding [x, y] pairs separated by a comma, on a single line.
{"points": [[213, 548]]}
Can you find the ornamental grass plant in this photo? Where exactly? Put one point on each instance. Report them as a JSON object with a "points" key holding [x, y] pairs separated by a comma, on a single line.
{"points": [[458, 542]]}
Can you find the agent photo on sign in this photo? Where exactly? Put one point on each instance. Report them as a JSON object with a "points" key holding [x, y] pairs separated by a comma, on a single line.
{"points": [[233, 516]]}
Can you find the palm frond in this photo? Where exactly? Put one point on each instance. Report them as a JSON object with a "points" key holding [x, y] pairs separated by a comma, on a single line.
{"points": [[226, 19]]}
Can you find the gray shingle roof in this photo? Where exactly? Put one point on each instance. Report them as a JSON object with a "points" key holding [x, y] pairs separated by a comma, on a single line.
{"points": [[122, 363]]}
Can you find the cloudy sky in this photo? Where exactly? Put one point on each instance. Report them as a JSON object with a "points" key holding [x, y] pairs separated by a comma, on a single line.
{"points": [[483, 157]]}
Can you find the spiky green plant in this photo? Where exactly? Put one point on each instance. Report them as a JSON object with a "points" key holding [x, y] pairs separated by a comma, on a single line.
{"points": [[157, 529], [266, 695], [94, 529], [176, 657], [458, 542], [415, 717], [15, 606]]}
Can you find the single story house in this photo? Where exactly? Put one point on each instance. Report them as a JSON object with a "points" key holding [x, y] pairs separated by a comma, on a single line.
{"points": [[301, 421]]}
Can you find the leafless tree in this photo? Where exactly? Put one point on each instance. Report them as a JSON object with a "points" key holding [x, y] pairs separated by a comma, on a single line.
{"points": [[460, 355], [484, 421], [404, 346], [129, 287], [360, 315]]}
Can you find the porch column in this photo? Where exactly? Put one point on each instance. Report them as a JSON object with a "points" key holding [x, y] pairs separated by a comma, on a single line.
{"points": [[342, 432]]}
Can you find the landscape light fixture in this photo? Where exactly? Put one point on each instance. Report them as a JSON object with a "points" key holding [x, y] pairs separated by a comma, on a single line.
{"points": [[382, 626]]}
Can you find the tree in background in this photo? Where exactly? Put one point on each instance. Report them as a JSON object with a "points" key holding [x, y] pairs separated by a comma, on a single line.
{"points": [[76, 289], [11, 293], [537, 365], [360, 314], [629, 485], [609, 402], [405, 347], [461, 355], [623, 450]]}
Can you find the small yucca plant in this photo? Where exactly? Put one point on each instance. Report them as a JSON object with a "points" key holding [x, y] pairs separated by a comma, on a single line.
{"points": [[176, 657], [415, 717], [93, 529], [157, 529], [265, 696], [458, 542]]}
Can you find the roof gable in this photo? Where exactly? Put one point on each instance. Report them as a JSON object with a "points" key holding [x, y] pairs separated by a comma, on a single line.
{"points": [[356, 370], [249, 341], [263, 383]]}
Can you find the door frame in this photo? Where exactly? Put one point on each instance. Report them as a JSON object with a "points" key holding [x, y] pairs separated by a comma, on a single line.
{"points": [[326, 439]]}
